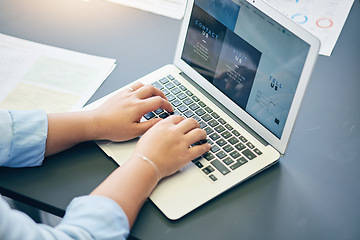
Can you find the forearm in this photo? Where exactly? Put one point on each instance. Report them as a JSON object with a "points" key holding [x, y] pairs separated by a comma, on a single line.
{"points": [[67, 129], [129, 186]]}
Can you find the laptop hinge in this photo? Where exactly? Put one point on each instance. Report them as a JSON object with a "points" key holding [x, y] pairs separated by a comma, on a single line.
{"points": [[223, 108]]}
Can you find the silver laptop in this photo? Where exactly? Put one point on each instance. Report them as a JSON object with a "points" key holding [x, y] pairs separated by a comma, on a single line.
{"points": [[241, 69]]}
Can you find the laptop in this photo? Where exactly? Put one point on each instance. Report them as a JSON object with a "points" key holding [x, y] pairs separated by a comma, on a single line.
{"points": [[241, 69]]}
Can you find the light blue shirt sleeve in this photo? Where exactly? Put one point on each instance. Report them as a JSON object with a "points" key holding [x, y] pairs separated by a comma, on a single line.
{"points": [[23, 137], [22, 144], [87, 217]]}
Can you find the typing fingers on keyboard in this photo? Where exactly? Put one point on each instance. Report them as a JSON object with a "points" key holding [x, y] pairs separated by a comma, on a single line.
{"points": [[147, 91], [196, 136], [187, 125], [156, 102]]}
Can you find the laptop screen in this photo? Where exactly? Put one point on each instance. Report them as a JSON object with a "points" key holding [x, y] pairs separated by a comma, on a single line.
{"points": [[253, 60]]}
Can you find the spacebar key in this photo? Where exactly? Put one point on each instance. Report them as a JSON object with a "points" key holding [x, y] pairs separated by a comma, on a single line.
{"points": [[219, 166]]}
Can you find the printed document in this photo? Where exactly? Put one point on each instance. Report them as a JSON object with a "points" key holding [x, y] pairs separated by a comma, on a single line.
{"points": [[37, 76], [323, 18]]}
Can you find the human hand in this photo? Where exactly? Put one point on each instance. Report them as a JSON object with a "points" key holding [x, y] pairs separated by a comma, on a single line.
{"points": [[167, 144], [118, 119]]}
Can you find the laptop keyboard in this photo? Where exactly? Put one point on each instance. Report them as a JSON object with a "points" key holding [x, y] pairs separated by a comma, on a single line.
{"points": [[229, 150]]}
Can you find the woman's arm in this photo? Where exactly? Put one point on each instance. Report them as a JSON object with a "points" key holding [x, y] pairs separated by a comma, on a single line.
{"points": [[118, 119], [167, 146]]}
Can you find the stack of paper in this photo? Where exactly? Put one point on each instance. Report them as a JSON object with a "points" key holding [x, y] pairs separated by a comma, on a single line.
{"points": [[37, 76]]}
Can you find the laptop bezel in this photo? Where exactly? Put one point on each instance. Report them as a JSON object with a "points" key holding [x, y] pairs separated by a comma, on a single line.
{"points": [[280, 144]]}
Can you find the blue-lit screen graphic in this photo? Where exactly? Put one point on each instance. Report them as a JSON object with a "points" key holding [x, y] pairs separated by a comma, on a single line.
{"points": [[251, 59]]}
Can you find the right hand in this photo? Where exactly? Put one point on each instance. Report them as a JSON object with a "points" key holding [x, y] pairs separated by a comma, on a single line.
{"points": [[167, 143]]}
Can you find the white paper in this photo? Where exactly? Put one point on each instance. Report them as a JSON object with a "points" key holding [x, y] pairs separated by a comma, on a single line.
{"points": [[323, 18], [37, 76], [169, 8]]}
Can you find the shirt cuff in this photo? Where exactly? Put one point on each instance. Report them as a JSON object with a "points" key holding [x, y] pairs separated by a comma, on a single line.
{"points": [[100, 216], [28, 140]]}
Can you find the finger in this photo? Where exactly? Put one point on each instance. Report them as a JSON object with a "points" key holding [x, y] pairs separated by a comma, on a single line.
{"points": [[133, 86], [136, 85], [196, 135], [148, 91], [188, 125], [199, 150], [156, 102]]}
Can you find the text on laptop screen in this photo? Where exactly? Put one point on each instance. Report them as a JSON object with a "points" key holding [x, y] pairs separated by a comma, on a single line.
{"points": [[254, 61]]}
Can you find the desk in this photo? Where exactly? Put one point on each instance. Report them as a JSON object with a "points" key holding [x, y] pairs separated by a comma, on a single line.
{"points": [[310, 194]]}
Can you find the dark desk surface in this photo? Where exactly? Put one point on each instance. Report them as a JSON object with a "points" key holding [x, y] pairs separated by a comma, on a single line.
{"points": [[313, 193]]}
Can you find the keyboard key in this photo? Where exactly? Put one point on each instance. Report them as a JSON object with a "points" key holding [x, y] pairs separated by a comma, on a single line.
{"points": [[250, 145], [243, 139], [228, 126], [181, 96], [221, 142], [157, 85], [257, 151], [158, 111], [202, 104], [209, 130], [196, 159], [240, 146], [213, 123], [201, 123], [206, 117], [182, 87], [249, 154], [165, 91], [189, 93], [164, 115], [149, 115], [170, 77], [226, 134], [212, 177], [238, 163], [198, 164], [221, 154], [208, 156], [176, 103], [200, 112], [176, 82], [169, 85], [164, 80], [219, 129], [222, 121], [235, 154], [197, 119], [219, 166], [170, 97], [195, 98], [208, 170], [188, 114], [188, 101], [214, 148], [214, 136], [228, 161], [233, 140], [228, 148], [236, 133], [215, 115], [182, 108], [194, 106], [175, 90]]}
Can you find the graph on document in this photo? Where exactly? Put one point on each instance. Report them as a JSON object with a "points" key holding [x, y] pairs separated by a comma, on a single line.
{"points": [[323, 18]]}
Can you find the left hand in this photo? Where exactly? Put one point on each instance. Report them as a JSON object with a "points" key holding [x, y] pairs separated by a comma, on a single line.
{"points": [[118, 119]]}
